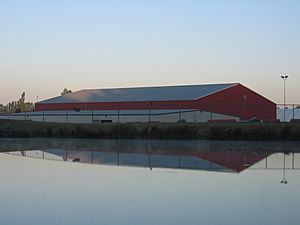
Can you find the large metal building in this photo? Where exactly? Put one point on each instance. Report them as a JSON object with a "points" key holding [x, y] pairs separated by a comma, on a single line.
{"points": [[190, 103]]}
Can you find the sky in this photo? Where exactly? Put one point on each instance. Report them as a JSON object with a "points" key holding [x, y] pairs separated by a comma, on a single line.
{"points": [[46, 46]]}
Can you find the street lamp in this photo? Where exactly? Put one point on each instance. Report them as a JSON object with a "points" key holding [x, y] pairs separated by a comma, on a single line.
{"points": [[284, 77]]}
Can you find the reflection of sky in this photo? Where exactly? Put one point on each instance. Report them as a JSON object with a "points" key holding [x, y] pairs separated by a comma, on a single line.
{"points": [[37, 191]]}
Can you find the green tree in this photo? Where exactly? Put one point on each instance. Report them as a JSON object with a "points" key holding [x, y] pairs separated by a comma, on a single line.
{"points": [[22, 107], [66, 91], [2, 108], [19, 106]]}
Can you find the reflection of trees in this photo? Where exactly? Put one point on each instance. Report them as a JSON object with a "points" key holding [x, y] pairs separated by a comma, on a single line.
{"points": [[145, 145]]}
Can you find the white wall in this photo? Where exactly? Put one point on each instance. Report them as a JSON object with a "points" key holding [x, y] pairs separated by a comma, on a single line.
{"points": [[288, 114], [98, 116]]}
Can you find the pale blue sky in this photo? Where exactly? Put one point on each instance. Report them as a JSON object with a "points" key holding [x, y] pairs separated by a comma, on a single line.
{"points": [[48, 45]]}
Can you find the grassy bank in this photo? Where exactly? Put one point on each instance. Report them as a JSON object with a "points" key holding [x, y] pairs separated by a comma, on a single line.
{"points": [[179, 131]]}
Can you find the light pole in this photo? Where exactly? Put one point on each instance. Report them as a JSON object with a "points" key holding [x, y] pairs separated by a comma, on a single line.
{"points": [[283, 181], [284, 77]]}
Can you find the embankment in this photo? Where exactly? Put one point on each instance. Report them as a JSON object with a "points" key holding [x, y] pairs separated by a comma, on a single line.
{"points": [[178, 131]]}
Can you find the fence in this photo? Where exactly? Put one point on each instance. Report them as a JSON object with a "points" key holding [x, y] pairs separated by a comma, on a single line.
{"points": [[273, 161], [118, 116], [291, 111]]}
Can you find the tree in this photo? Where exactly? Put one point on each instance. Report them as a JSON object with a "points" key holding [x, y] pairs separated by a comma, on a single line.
{"points": [[18, 106], [2, 108], [66, 91], [21, 104]]}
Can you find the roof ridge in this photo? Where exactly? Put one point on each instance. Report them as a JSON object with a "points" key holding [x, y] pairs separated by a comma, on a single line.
{"points": [[162, 86]]}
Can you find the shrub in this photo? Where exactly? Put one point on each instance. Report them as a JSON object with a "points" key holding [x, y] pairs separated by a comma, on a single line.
{"points": [[215, 133], [285, 133]]}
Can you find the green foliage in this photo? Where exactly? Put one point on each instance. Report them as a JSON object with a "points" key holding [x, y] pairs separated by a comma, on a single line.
{"points": [[285, 133], [123, 131], [17, 106], [155, 133], [66, 91], [215, 133], [29, 129]]}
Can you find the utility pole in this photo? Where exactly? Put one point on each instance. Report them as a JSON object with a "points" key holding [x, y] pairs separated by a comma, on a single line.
{"points": [[284, 77]]}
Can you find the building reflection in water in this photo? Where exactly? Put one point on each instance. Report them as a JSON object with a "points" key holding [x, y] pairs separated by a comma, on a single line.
{"points": [[218, 161]]}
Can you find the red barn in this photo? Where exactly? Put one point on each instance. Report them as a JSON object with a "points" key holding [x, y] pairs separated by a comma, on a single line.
{"points": [[191, 103]]}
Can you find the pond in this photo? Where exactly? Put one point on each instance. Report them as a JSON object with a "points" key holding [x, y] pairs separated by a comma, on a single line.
{"points": [[72, 181]]}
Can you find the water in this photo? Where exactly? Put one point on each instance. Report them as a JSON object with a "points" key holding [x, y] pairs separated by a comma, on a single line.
{"points": [[148, 182]]}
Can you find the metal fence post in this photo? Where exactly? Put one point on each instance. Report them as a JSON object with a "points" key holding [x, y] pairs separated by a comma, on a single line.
{"points": [[293, 160], [293, 112], [92, 115], [118, 158]]}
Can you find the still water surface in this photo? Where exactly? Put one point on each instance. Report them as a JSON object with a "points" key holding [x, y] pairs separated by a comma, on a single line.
{"points": [[148, 182]]}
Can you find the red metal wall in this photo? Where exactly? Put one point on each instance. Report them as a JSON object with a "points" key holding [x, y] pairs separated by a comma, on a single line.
{"points": [[237, 101], [240, 101], [237, 161]]}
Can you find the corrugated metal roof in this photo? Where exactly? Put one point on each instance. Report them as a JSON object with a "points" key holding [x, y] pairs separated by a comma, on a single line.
{"points": [[165, 93]]}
